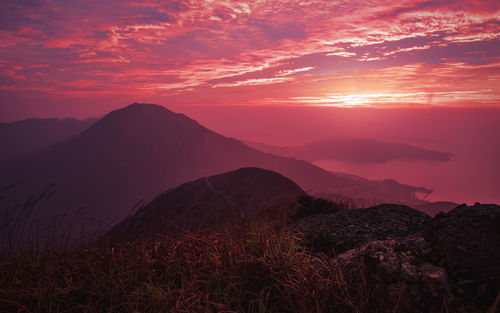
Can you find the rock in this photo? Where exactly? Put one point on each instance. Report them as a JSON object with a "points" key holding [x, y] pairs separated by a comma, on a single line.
{"points": [[348, 229], [395, 277], [467, 239]]}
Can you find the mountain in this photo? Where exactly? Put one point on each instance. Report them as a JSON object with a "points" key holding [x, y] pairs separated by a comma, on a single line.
{"points": [[134, 153], [355, 150], [211, 201], [22, 138]]}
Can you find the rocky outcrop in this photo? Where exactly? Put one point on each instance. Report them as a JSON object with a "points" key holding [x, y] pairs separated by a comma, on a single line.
{"points": [[466, 241], [380, 254], [397, 259], [468, 237], [349, 229], [394, 276]]}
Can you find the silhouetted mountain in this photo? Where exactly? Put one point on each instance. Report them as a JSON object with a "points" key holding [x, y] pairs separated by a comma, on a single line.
{"points": [[21, 138], [355, 150], [211, 201], [136, 152]]}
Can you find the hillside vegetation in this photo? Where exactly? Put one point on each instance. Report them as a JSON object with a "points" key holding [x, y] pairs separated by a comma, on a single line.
{"points": [[259, 266]]}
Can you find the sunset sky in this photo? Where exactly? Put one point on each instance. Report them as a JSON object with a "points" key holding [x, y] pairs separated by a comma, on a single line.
{"points": [[330, 53]]}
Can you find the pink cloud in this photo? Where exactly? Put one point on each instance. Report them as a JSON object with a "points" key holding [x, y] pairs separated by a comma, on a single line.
{"points": [[184, 48]]}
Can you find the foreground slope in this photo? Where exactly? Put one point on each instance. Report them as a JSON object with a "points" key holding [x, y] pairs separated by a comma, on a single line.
{"points": [[136, 152]]}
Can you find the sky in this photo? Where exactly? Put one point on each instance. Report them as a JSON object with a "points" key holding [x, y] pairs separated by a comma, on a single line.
{"points": [[80, 58], [281, 72]]}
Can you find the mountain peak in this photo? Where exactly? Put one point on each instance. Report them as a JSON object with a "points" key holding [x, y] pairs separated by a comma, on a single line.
{"points": [[144, 106], [144, 109], [144, 119]]}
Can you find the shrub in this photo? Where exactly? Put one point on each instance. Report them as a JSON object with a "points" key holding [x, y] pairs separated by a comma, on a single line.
{"points": [[315, 205]]}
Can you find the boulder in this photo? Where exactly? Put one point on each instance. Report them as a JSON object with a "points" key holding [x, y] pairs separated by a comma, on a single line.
{"points": [[467, 239]]}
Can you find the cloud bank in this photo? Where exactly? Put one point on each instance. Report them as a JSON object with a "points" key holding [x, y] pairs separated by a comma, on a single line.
{"points": [[338, 53]]}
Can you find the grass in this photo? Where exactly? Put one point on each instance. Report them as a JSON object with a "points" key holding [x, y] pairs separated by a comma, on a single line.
{"points": [[231, 271], [256, 266], [247, 267], [25, 226]]}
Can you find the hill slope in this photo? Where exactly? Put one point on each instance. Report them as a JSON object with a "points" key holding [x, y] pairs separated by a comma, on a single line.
{"points": [[211, 201]]}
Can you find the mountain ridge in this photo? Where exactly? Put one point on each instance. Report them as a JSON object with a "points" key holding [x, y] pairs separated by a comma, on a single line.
{"points": [[136, 152], [21, 138], [355, 150]]}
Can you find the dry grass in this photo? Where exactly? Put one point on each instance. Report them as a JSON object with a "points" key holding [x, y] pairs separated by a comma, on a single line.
{"points": [[247, 267], [231, 271], [27, 226]]}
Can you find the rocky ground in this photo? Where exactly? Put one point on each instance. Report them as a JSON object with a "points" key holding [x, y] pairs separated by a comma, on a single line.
{"points": [[408, 262]]}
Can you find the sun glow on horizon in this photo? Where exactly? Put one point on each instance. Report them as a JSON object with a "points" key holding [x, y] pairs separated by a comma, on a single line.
{"points": [[413, 99]]}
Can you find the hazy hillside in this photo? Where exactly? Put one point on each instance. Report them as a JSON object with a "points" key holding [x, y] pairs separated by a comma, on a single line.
{"points": [[19, 139], [355, 150], [134, 153]]}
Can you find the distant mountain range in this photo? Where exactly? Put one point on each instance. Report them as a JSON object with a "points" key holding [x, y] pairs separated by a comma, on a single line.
{"points": [[355, 151], [22, 138], [134, 153]]}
